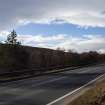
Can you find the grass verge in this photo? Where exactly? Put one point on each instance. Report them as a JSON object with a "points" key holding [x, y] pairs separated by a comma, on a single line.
{"points": [[94, 96]]}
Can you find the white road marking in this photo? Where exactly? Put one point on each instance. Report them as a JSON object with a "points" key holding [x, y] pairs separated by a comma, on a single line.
{"points": [[61, 98]]}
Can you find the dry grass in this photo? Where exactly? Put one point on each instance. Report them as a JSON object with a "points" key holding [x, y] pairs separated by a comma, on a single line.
{"points": [[94, 96]]}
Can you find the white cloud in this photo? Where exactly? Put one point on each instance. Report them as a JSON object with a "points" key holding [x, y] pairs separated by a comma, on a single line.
{"points": [[41, 40], [79, 12], [80, 44], [3, 35]]}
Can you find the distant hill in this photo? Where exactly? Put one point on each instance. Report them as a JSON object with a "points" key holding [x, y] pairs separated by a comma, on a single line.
{"points": [[16, 57]]}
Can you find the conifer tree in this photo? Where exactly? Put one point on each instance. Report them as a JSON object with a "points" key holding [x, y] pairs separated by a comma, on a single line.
{"points": [[11, 38]]}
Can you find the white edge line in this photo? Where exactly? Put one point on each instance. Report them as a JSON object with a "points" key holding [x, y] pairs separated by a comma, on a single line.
{"points": [[51, 103]]}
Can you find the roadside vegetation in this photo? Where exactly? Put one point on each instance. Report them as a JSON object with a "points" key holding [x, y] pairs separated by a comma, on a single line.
{"points": [[15, 57], [94, 96]]}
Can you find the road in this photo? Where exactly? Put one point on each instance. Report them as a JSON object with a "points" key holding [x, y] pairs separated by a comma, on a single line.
{"points": [[45, 89]]}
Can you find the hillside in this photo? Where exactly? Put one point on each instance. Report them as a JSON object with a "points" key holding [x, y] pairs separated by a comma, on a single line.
{"points": [[18, 58]]}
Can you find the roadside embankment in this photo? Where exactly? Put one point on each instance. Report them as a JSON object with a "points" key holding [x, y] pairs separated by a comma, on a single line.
{"points": [[93, 96]]}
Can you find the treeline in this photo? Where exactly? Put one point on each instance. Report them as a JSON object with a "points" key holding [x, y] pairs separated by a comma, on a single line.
{"points": [[18, 58]]}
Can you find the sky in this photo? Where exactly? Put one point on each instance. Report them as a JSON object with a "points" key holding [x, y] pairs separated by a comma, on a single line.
{"points": [[77, 25]]}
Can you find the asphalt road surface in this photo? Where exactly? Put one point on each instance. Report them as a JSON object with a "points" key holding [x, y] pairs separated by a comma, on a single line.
{"points": [[45, 89]]}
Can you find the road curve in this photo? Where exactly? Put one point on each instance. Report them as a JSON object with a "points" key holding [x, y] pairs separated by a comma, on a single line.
{"points": [[45, 89]]}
